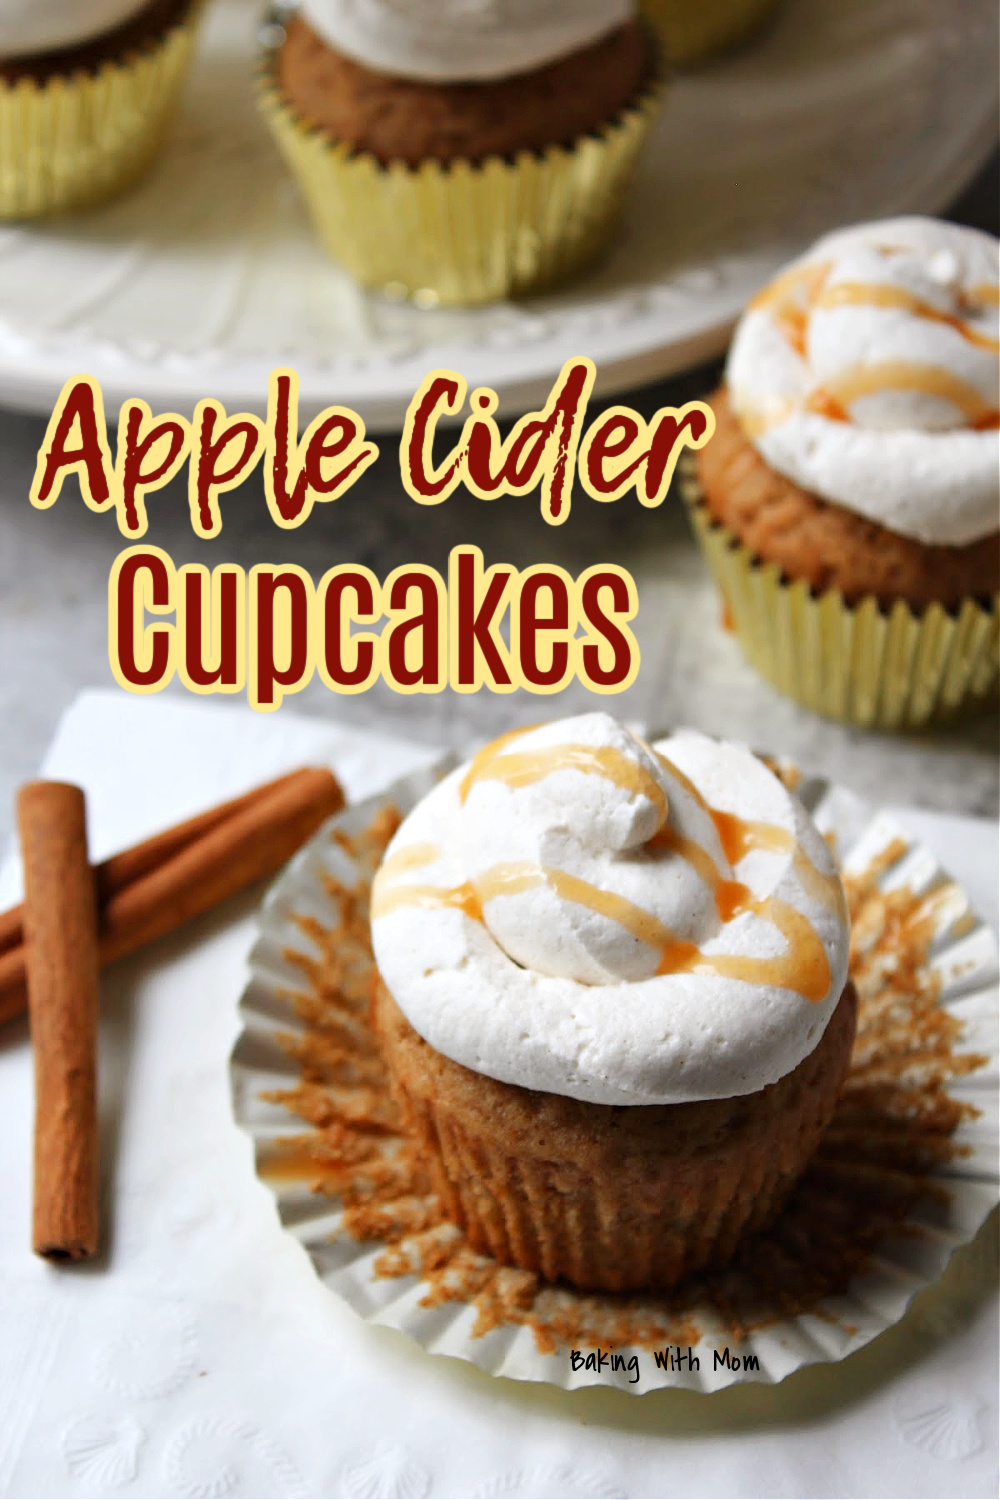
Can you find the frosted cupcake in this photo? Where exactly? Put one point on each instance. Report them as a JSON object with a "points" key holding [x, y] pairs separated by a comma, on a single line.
{"points": [[615, 1004], [695, 30], [86, 92], [848, 501], [456, 152]]}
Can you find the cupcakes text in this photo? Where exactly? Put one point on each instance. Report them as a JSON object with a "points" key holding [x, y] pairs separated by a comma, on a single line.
{"points": [[268, 633]]}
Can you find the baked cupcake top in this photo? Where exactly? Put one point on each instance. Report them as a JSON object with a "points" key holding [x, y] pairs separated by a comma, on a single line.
{"points": [[28, 27], [445, 41], [580, 912], [868, 373]]}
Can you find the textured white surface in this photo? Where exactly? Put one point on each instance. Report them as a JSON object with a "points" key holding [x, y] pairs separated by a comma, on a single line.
{"points": [[551, 995], [208, 275], [909, 458], [458, 40], [203, 1357]]}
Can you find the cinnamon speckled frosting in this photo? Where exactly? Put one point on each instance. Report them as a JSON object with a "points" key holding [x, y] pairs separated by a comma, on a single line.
{"points": [[579, 912]]}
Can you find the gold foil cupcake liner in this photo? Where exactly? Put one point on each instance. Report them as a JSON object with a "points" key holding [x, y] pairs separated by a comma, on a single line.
{"points": [[459, 233], [861, 664], [906, 1173], [72, 140], [693, 30]]}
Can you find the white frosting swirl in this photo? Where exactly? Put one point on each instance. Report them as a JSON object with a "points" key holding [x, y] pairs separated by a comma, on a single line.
{"points": [[28, 27], [581, 913], [453, 41], [869, 371]]}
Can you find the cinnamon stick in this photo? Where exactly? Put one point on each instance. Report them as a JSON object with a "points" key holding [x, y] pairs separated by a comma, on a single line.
{"points": [[248, 846], [254, 823], [11, 928], [112, 876], [60, 926], [121, 869]]}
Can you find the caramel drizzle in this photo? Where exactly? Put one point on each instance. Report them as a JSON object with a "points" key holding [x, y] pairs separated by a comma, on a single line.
{"points": [[430, 897], [483, 757], [756, 421], [739, 837], [824, 404], [803, 967], [877, 294], [410, 857], [526, 768], [907, 375], [791, 299]]}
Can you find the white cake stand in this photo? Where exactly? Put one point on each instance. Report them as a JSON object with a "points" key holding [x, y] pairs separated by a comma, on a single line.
{"points": [[207, 276]]}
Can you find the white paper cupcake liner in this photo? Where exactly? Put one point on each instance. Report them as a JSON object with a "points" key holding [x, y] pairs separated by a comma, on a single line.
{"points": [[959, 973]]}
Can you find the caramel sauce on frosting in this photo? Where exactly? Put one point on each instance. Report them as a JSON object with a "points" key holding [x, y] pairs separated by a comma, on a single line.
{"points": [[412, 857], [517, 770], [868, 372], [791, 299], [431, 898], [673, 890], [908, 375], [833, 398], [803, 967], [880, 294]]}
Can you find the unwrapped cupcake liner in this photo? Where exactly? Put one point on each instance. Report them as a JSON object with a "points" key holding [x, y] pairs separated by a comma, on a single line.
{"points": [[458, 233], [907, 1172], [75, 139], [874, 667], [693, 30]]}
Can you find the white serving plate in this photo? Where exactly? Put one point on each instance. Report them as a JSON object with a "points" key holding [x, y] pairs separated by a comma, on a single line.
{"points": [[203, 279]]}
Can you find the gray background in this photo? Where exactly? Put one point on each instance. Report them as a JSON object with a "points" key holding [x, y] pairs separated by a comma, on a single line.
{"points": [[53, 610]]}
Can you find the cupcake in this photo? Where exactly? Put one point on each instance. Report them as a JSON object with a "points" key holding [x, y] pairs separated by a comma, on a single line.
{"points": [[848, 501], [695, 30], [456, 152], [86, 92], [613, 998]]}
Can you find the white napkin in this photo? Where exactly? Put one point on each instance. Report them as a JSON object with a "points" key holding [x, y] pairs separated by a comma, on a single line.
{"points": [[202, 1357]]}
